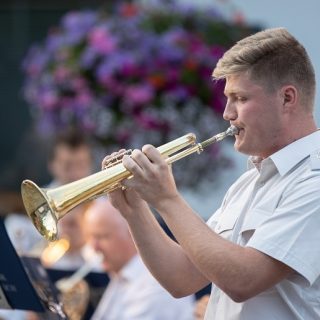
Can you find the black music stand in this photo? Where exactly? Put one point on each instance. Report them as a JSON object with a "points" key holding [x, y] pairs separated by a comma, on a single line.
{"points": [[25, 286]]}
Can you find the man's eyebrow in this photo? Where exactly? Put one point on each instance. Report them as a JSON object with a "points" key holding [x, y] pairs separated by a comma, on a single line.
{"points": [[234, 92], [230, 93]]}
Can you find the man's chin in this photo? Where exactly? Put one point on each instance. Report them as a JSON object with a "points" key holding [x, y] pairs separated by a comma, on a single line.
{"points": [[106, 266], [240, 147]]}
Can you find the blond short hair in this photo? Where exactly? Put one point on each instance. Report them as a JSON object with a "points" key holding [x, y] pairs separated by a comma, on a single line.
{"points": [[272, 57]]}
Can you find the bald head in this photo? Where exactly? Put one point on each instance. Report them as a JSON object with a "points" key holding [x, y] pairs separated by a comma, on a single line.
{"points": [[102, 211], [108, 233]]}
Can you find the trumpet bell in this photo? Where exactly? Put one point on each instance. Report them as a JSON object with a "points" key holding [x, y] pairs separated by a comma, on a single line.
{"points": [[39, 209]]}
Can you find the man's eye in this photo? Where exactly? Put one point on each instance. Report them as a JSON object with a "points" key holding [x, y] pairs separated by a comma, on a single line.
{"points": [[241, 99]]}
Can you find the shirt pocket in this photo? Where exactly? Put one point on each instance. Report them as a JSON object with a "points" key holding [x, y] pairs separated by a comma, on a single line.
{"points": [[226, 223], [254, 219]]}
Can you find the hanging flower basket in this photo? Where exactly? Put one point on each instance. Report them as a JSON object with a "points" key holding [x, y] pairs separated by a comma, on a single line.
{"points": [[132, 75]]}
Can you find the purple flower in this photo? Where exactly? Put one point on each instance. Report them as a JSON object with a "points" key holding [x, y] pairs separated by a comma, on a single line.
{"points": [[54, 42], [35, 62], [48, 99], [149, 122], [78, 24], [179, 93]]}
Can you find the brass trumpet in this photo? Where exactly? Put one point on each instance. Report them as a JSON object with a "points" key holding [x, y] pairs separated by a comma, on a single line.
{"points": [[46, 206]]}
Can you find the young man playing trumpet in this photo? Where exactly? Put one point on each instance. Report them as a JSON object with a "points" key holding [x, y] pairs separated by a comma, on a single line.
{"points": [[261, 248]]}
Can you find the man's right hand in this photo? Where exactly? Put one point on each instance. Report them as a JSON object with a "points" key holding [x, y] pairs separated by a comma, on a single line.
{"points": [[126, 200]]}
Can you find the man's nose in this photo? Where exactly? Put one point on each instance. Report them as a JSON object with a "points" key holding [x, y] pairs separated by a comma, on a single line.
{"points": [[230, 112], [94, 243]]}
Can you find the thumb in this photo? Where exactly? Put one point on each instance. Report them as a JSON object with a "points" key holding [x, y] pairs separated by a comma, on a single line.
{"points": [[117, 198]]}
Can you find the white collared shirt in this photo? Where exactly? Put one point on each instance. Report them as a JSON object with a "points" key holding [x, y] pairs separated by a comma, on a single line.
{"points": [[275, 208], [134, 294]]}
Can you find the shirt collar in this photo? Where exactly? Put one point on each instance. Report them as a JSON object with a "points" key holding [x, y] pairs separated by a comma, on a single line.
{"points": [[132, 269], [289, 156]]}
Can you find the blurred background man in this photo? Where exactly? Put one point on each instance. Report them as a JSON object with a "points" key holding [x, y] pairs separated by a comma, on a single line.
{"points": [[71, 159], [133, 293]]}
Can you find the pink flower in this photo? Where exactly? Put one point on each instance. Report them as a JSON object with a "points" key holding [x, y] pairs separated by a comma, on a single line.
{"points": [[79, 83], [139, 94], [49, 99], [102, 41], [61, 73], [149, 122], [84, 99]]}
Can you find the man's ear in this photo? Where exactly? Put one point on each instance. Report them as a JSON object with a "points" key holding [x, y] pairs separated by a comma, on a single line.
{"points": [[289, 96]]}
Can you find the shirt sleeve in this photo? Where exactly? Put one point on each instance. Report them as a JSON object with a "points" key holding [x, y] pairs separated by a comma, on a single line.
{"points": [[291, 233]]}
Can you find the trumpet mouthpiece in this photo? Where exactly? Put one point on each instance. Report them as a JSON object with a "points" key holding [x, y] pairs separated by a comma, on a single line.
{"points": [[233, 130]]}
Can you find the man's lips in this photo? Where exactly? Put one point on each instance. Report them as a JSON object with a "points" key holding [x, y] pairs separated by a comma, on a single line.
{"points": [[240, 132]]}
